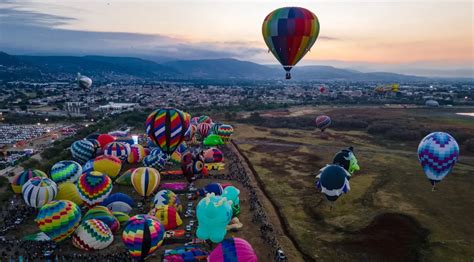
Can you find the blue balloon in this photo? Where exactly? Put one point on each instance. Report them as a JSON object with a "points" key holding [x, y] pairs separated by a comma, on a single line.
{"points": [[82, 150], [333, 181], [119, 202]]}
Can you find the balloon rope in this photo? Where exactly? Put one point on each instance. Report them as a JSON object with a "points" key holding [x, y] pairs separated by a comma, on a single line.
{"points": [[433, 188]]}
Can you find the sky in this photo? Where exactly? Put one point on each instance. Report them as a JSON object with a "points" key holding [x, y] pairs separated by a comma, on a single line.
{"points": [[436, 36]]}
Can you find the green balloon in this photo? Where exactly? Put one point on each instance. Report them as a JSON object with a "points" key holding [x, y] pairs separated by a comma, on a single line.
{"points": [[213, 140]]}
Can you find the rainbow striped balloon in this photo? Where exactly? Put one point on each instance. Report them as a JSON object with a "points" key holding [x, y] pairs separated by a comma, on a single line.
{"points": [[92, 234], [167, 197], [136, 154], [145, 180], [38, 191], [23, 177], [143, 235], [94, 187], [167, 215], [82, 150], [58, 219], [66, 171], [233, 249], [289, 33], [103, 214], [117, 149], [438, 152], [225, 132], [166, 128]]}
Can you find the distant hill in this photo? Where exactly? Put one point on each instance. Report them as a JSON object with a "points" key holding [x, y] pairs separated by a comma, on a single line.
{"points": [[105, 68]]}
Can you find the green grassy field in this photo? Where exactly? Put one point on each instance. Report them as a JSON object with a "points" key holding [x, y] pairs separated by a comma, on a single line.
{"points": [[390, 213]]}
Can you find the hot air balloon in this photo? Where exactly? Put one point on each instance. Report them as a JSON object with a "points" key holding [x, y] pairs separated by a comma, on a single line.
{"points": [[233, 249], [322, 122], [119, 202], [84, 82], [68, 191], [166, 128], [145, 180], [143, 235], [190, 133], [66, 171], [333, 181], [109, 165], [192, 165], [126, 178], [154, 161], [38, 191], [94, 187], [82, 150], [23, 177], [437, 153], [347, 160], [231, 193], [167, 215], [136, 154], [121, 217], [92, 234], [213, 155], [103, 214], [105, 139], [58, 219], [95, 142], [167, 197], [215, 127], [117, 149], [214, 214], [214, 188], [195, 120], [289, 33], [203, 129], [212, 140], [225, 132]]}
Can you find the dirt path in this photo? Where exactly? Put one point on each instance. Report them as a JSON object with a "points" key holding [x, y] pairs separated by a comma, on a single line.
{"points": [[289, 244]]}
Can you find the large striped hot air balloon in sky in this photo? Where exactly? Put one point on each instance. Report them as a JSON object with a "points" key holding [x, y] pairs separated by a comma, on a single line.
{"points": [[145, 180], [92, 234], [289, 33], [38, 191], [437, 153], [58, 219], [166, 128], [143, 235], [322, 122], [94, 187]]}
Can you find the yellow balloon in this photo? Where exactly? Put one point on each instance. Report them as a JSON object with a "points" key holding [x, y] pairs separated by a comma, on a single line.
{"points": [[145, 180], [68, 191], [109, 165]]}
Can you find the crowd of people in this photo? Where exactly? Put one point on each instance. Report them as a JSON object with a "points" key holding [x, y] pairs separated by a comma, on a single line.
{"points": [[14, 214]]}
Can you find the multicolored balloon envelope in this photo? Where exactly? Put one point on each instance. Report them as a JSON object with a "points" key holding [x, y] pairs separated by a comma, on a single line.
{"points": [[233, 249], [143, 235], [145, 180], [289, 33], [333, 181], [38, 191], [213, 155], [126, 178], [167, 197], [167, 215], [347, 160], [103, 214], [92, 234], [166, 128], [225, 132], [82, 150], [58, 219], [119, 202], [117, 149], [94, 187], [23, 177], [136, 155], [66, 171], [322, 122], [438, 152], [203, 129]]}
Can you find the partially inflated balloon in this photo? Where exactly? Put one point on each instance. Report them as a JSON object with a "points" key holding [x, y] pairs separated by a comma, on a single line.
{"points": [[117, 149], [136, 154], [104, 139], [119, 202], [58, 219], [109, 165], [143, 235], [213, 140], [438, 152], [145, 180], [82, 151], [66, 171], [94, 187], [233, 249], [192, 165], [213, 155], [214, 214], [167, 215], [38, 191], [166, 128], [167, 197], [126, 178], [154, 161], [105, 215], [68, 191], [289, 33], [121, 217], [23, 177], [322, 122], [232, 194], [333, 181], [92, 234], [205, 119]]}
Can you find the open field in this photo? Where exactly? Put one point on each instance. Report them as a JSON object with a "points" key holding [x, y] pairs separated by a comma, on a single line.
{"points": [[390, 213]]}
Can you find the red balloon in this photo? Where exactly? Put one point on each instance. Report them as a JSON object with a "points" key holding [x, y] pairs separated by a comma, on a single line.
{"points": [[104, 139]]}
